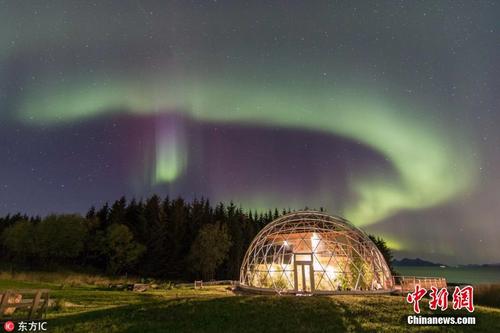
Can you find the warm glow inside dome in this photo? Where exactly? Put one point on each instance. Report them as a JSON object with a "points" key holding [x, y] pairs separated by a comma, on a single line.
{"points": [[313, 252]]}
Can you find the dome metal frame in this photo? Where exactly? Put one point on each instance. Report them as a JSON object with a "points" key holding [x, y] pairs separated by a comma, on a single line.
{"points": [[311, 252]]}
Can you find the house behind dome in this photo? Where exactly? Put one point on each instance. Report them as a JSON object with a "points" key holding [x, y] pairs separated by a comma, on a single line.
{"points": [[309, 252]]}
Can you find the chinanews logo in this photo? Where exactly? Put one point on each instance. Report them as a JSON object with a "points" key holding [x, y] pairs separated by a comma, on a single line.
{"points": [[462, 298]]}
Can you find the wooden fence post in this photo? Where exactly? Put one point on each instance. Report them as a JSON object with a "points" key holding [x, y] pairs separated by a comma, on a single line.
{"points": [[34, 305], [3, 304], [42, 312]]}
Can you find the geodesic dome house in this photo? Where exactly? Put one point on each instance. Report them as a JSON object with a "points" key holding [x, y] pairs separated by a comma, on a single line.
{"points": [[309, 252]]}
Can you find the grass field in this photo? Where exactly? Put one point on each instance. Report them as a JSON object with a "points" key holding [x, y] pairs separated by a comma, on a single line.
{"points": [[90, 308]]}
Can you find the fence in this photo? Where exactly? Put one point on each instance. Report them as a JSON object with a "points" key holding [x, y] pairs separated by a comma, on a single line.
{"points": [[200, 284], [36, 301], [408, 283], [401, 283]]}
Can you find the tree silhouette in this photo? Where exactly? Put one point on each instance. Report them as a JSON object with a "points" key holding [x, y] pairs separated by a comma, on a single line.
{"points": [[209, 249], [157, 237]]}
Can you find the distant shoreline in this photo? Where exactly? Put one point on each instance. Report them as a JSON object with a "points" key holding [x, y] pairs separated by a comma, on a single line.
{"points": [[420, 262], [460, 274]]}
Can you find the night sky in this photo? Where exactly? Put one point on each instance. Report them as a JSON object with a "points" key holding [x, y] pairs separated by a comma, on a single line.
{"points": [[386, 113]]}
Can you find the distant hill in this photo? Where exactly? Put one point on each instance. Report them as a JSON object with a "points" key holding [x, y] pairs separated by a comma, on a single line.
{"points": [[420, 262], [480, 265], [414, 262]]}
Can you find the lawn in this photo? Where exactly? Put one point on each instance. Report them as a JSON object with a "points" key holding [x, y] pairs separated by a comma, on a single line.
{"points": [[90, 308]]}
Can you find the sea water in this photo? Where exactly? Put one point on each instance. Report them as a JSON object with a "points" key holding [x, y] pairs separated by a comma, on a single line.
{"points": [[472, 275]]}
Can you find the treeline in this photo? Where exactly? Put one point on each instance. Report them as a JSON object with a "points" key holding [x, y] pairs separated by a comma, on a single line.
{"points": [[162, 238]]}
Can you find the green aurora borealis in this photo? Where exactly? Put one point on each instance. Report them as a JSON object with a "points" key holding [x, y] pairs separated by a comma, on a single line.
{"points": [[431, 169], [385, 81]]}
